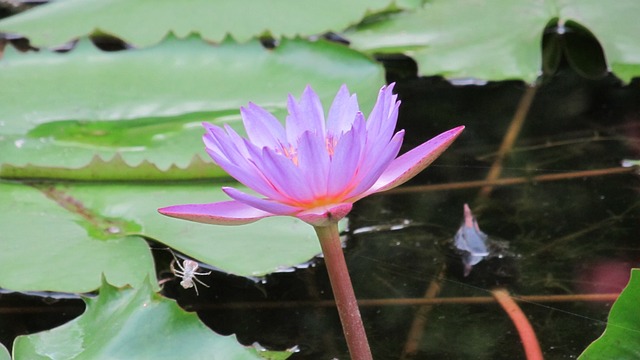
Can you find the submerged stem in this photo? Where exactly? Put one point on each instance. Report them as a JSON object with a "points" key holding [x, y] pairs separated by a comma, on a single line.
{"points": [[343, 292], [525, 330]]}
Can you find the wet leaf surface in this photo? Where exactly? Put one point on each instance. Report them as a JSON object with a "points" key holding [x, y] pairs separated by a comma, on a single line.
{"points": [[499, 39], [127, 322], [99, 228], [144, 107], [4, 353], [148, 22], [47, 247], [621, 338], [250, 250]]}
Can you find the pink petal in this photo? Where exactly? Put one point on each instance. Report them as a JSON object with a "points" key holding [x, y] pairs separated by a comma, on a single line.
{"points": [[411, 163], [220, 213], [269, 206], [325, 215]]}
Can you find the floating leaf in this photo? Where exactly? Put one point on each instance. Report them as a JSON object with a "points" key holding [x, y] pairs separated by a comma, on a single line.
{"points": [[76, 109], [4, 353], [250, 250], [615, 26], [621, 338], [98, 228], [499, 39], [117, 169], [131, 323], [277, 355], [144, 23], [58, 244]]}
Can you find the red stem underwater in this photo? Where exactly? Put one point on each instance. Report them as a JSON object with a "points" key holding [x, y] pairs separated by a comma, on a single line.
{"points": [[343, 292], [527, 335]]}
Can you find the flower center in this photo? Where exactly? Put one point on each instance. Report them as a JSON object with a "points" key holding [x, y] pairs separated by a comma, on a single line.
{"points": [[320, 201], [289, 152], [330, 142]]}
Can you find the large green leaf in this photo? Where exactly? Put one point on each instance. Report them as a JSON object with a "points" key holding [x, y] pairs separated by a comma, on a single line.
{"points": [[615, 25], [146, 22], [81, 109], [4, 353], [500, 39], [60, 245], [621, 338], [97, 228], [131, 323], [249, 250]]}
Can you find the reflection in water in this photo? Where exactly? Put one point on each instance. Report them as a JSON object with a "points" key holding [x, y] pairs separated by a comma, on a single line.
{"points": [[471, 241]]}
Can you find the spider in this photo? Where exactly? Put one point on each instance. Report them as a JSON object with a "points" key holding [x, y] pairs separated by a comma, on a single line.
{"points": [[187, 271]]}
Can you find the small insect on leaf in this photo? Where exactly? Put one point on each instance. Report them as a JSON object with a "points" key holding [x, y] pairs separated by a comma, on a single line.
{"points": [[188, 271]]}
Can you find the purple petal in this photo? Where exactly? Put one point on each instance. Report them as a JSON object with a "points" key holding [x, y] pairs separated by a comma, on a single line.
{"points": [[236, 139], [251, 173], [240, 164], [344, 163], [305, 115], [269, 206], [284, 176], [263, 129], [376, 165], [411, 163], [379, 132], [247, 174], [220, 213], [210, 141], [313, 162], [325, 215], [384, 116], [342, 112], [218, 141]]}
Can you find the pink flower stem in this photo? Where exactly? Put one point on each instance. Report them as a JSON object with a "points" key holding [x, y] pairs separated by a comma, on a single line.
{"points": [[343, 292], [527, 335]]}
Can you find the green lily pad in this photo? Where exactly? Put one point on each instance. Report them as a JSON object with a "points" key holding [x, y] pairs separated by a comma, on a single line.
{"points": [[130, 323], [277, 355], [250, 250], [114, 170], [499, 39], [621, 338], [4, 353], [140, 110], [93, 229], [615, 26], [54, 243], [144, 23]]}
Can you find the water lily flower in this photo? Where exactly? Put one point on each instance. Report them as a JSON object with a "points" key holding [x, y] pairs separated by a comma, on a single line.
{"points": [[313, 169]]}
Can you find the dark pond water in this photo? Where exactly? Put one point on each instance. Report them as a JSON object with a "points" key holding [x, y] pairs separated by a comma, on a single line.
{"points": [[568, 232]]}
